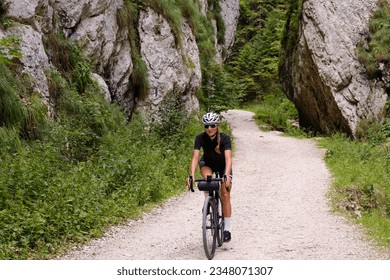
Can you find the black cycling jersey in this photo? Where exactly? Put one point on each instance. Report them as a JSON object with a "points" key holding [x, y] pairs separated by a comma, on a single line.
{"points": [[210, 157]]}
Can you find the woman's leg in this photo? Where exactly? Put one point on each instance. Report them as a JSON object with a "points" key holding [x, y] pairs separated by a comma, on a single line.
{"points": [[225, 197], [227, 212], [206, 171]]}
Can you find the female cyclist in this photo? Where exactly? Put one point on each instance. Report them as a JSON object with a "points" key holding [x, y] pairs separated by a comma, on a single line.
{"points": [[217, 157]]}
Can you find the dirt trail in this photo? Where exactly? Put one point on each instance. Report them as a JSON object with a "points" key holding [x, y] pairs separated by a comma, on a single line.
{"points": [[280, 210]]}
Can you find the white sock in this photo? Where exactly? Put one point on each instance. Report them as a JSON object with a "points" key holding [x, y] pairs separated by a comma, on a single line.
{"points": [[228, 225]]}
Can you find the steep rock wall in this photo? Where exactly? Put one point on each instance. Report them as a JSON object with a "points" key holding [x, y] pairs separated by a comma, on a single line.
{"points": [[93, 24], [323, 76], [170, 69]]}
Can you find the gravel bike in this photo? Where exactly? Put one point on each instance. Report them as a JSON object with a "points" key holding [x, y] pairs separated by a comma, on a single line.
{"points": [[212, 214]]}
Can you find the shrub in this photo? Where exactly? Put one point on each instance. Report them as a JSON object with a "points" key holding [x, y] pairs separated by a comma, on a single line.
{"points": [[369, 130], [139, 76], [170, 118], [9, 141], [69, 60], [276, 112], [9, 49], [218, 89]]}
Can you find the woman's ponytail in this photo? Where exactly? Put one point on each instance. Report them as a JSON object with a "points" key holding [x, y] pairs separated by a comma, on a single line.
{"points": [[217, 149]]}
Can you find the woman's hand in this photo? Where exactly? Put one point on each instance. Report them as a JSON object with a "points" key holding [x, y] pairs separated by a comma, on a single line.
{"points": [[189, 182]]}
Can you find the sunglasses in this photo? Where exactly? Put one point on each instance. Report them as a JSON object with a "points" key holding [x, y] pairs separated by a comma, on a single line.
{"points": [[210, 125]]}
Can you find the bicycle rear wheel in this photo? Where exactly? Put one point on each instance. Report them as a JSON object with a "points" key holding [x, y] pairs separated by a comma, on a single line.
{"points": [[209, 227]]}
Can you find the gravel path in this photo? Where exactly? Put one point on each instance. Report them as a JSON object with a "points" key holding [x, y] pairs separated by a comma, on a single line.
{"points": [[280, 210]]}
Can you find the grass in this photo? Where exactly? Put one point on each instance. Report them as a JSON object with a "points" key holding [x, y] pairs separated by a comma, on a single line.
{"points": [[276, 112], [361, 183], [11, 110]]}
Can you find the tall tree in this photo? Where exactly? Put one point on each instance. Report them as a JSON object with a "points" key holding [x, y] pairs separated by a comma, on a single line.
{"points": [[254, 63]]}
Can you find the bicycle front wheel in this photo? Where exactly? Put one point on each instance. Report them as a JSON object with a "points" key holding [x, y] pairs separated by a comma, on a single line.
{"points": [[209, 227], [220, 223]]}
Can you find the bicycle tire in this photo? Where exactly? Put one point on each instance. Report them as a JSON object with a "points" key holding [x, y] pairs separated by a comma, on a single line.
{"points": [[220, 224], [209, 228]]}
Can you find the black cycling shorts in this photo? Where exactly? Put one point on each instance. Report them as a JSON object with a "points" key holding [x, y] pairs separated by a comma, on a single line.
{"points": [[214, 167]]}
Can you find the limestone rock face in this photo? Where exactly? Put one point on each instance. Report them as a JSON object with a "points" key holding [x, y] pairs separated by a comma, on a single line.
{"points": [[34, 60], [170, 68], [95, 26], [230, 11], [323, 75], [37, 13]]}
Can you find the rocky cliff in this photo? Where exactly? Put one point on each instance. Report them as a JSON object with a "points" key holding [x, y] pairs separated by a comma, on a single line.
{"points": [[95, 26], [322, 74]]}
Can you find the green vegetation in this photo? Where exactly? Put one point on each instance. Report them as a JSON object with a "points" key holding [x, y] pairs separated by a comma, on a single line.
{"points": [[75, 185], [276, 112], [218, 88], [254, 64], [215, 13], [375, 49], [11, 111], [127, 18], [92, 170], [69, 60], [361, 187], [9, 49], [4, 20], [67, 179], [291, 30]]}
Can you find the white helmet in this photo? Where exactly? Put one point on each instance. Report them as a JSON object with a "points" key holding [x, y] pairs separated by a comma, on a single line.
{"points": [[210, 118]]}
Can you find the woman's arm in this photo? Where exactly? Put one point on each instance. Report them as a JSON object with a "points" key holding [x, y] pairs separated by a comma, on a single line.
{"points": [[194, 162], [228, 166]]}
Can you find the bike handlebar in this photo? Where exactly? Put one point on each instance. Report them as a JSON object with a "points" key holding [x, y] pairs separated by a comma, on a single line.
{"points": [[191, 184], [208, 179]]}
